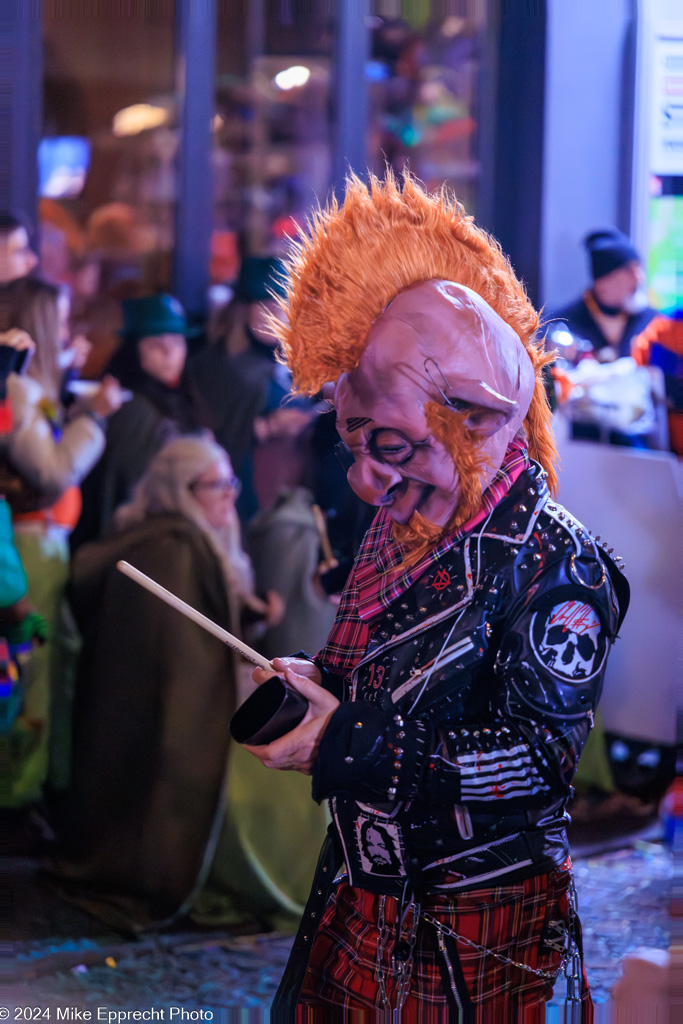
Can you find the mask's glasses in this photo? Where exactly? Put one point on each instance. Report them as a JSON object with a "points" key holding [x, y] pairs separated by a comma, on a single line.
{"points": [[386, 445]]}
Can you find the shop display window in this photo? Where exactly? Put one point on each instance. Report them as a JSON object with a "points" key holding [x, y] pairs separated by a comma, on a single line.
{"points": [[425, 97], [107, 159]]}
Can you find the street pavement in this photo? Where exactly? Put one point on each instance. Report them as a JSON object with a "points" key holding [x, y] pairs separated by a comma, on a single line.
{"points": [[67, 963]]}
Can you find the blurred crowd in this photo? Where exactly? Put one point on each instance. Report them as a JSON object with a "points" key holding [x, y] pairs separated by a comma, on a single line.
{"points": [[618, 373], [130, 433]]}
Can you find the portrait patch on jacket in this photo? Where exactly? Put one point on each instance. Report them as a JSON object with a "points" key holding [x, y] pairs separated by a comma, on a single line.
{"points": [[379, 847], [569, 640]]}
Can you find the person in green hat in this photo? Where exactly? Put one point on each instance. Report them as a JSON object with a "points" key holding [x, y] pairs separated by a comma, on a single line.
{"points": [[152, 363]]}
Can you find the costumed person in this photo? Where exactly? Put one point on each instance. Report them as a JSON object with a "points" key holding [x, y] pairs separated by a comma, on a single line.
{"points": [[45, 451], [21, 628], [152, 362], [154, 826], [615, 308], [449, 707], [661, 344], [285, 548], [248, 390]]}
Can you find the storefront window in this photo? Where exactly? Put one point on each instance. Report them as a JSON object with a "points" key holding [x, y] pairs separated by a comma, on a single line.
{"points": [[424, 92], [109, 152], [107, 158], [273, 130]]}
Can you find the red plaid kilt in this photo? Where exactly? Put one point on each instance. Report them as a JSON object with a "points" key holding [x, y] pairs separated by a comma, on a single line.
{"points": [[341, 980]]}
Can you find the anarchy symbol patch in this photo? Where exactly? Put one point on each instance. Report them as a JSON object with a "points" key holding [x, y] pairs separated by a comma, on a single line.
{"points": [[441, 580], [569, 640]]}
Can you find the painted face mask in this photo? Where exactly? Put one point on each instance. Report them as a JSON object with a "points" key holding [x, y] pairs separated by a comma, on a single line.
{"points": [[441, 389], [415, 318]]}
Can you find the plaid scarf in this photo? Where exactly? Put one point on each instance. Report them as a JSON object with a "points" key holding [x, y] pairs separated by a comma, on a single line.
{"points": [[379, 575]]}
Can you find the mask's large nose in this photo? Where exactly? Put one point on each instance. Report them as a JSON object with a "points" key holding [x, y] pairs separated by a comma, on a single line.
{"points": [[372, 481]]}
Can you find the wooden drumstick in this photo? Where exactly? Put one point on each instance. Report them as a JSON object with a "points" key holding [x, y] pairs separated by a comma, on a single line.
{"points": [[191, 613]]}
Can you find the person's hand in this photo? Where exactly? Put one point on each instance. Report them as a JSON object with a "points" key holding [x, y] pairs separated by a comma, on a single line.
{"points": [[275, 608], [79, 348], [298, 749], [109, 398], [270, 611], [301, 666], [18, 339], [285, 422]]}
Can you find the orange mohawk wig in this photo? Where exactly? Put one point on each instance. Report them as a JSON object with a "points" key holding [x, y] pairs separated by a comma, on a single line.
{"points": [[381, 240]]}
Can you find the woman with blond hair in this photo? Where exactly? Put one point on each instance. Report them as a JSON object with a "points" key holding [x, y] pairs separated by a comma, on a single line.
{"points": [[155, 693]]}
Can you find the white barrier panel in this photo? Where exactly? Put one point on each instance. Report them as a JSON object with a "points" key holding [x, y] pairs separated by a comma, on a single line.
{"points": [[629, 498]]}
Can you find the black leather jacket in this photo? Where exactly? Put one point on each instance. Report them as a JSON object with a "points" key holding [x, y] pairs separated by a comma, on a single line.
{"points": [[449, 763]]}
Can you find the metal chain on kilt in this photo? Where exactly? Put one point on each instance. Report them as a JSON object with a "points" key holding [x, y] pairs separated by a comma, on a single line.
{"points": [[570, 962], [403, 972], [508, 961], [381, 946]]}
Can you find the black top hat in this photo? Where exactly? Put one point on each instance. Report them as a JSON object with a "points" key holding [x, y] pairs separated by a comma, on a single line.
{"points": [[608, 250], [154, 314]]}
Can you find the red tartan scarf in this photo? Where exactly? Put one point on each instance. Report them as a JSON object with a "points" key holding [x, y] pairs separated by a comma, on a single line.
{"points": [[379, 575]]}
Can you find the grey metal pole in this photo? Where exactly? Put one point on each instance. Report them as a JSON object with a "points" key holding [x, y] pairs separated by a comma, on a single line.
{"points": [[195, 83], [352, 52]]}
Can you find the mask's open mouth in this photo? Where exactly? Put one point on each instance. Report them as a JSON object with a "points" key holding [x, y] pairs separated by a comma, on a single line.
{"points": [[406, 497]]}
